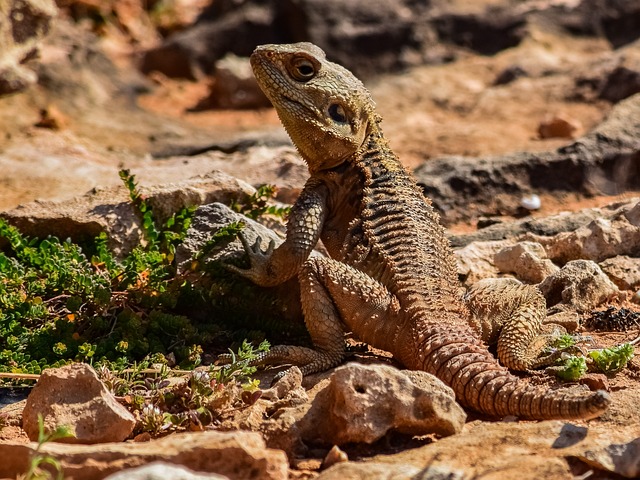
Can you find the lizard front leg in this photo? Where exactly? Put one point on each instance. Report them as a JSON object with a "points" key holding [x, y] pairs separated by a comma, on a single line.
{"points": [[305, 223]]}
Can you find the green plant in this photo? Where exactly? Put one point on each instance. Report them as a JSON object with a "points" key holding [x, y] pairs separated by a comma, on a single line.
{"points": [[572, 369], [36, 472], [257, 204], [238, 363], [60, 304], [613, 359]]}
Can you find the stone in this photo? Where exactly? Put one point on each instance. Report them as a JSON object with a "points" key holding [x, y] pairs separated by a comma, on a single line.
{"points": [[234, 86], [73, 396], [559, 126], [541, 229], [236, 455], [476, 260], [605, 160], [162, 471], [24, 25], [580, 285], [364, 402], [623, 270], [110, 210], [204, 268], [623, 459], [602, 238], [508, 450], [527, 260], [375, 471]]}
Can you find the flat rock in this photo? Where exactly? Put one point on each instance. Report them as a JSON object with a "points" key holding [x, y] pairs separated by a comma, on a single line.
{"points": [[162, 471], [523, 450], [363, 402], [236, 455], [110, 209], [600, 239], [603, 161], [476, 260], [74, 396]]}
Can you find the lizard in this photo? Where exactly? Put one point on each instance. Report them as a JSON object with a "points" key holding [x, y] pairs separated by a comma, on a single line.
{"points": [[390, 277]]}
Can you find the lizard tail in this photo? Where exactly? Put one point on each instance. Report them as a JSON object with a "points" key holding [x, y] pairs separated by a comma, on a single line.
{"points": [[482, 384]]}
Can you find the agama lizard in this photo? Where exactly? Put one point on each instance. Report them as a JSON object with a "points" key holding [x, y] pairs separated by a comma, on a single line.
{"points": [[391, 278]]}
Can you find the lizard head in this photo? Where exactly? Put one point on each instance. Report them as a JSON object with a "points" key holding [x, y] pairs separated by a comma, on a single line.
{"points": [[325, 109]]}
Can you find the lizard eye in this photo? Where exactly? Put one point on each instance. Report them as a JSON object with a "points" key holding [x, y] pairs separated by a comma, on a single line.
{"points": [[337, 113], [302, 69]]}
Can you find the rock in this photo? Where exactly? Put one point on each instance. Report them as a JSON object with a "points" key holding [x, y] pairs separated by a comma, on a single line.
{"points": [[476, 260], [482, 33], [559, 126], [24, 26], [623, 459], [595, 381], [236, 455], [567, 319], [74, 396], [527, 260], [162, 471], [391, 35], [363, 402], [507, 450], [623, 270], [580, 285], [542, 228], [205, 268], [622, 82], [334, 456], [234, 86], [602, 238], [110, 210], [606, 160], [376, 471]]}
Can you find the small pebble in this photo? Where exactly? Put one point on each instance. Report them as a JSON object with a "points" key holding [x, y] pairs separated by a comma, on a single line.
{"points": [[334, 456], [636, 297], [531, 202]]}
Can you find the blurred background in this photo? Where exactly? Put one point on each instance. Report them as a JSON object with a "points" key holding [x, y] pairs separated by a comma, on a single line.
{"points": [[164, 87]]}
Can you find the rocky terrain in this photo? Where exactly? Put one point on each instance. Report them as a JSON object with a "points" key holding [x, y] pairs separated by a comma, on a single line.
{"points": [[520, 119]]}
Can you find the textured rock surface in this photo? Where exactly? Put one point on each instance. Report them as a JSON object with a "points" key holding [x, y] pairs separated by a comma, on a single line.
{"points": [[23, 25], [476, 260], [527, 451], [162, 471], [623, 270], [74, 396], [607, 160], [362, 403], [110, 210], [602, 238], [236, 455], [580, 285], [527, 260]]}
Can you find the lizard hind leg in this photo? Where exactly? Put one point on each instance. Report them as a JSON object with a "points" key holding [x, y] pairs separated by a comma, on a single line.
{"points": [[336, 298], [509, 313]]}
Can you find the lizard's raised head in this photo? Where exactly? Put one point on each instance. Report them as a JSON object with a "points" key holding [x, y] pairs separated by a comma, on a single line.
{"points": [[325, 109]]}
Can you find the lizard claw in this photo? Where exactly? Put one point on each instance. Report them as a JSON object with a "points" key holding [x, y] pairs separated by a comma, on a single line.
{"points": [[259, 259]]}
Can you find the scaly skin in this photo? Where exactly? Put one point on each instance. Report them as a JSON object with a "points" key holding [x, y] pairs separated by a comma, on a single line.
{"points": [[510, 314], [391, 278]]}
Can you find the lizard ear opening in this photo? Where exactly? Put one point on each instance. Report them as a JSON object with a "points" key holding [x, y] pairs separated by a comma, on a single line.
{"points": [[337, 113]]}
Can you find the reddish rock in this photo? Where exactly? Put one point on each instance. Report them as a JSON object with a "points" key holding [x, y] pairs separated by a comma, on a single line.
{"points": [[73, 396]]}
